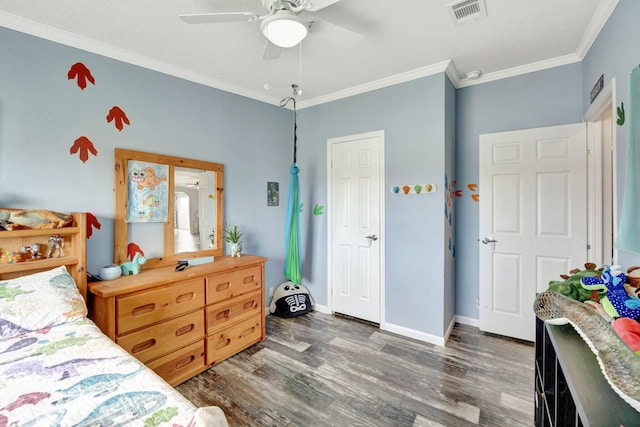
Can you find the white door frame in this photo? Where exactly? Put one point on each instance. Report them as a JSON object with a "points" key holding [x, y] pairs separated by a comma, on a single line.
{"points": [[380, 135], [604, 104]]}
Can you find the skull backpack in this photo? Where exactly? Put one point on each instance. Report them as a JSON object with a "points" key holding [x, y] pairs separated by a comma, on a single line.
{"points": [[290, 300]]}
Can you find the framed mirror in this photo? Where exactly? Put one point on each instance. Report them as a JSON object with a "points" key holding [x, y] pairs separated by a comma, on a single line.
{"points": [[171, 207]]}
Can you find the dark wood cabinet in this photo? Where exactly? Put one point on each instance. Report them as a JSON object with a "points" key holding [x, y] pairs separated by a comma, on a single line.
{"points": [[570, 390]]}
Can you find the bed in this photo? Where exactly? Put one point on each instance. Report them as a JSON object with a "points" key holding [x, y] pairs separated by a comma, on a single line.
{"points": [[58, 369]]}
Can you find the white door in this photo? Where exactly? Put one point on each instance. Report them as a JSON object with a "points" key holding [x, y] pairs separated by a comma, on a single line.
{"points": [[355, 218], [533, 204]]}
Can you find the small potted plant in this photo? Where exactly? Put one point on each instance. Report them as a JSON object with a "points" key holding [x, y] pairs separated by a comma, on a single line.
{"points": [[233, 235]]}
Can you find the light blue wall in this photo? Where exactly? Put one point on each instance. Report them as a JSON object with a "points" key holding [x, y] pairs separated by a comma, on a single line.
{"points": [[615, 52], [413, 119], [42, 113], [545, 98]]}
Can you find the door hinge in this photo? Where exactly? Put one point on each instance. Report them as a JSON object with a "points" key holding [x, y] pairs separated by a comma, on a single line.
{"points": [[588, 246]]}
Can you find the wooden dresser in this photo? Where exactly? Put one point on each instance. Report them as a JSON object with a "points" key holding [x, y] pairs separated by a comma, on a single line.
{"points": [[181, 323]]}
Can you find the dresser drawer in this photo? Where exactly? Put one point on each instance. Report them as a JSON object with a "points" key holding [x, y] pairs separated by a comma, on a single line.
{"points": [[227, 312], [227, 285], [181, 365], [233, 339], [160, 339], [151, 306]]}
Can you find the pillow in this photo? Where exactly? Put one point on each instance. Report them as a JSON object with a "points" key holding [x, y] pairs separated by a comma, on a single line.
{"points": [[39, 301]]}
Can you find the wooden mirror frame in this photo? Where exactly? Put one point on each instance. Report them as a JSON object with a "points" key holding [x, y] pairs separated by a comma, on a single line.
{"points": [[121, 240]]}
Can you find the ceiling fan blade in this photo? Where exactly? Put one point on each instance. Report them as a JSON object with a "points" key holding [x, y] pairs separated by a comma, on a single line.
{"points": [[335, 33], [206, 18], [270, 51], [315, 5]]}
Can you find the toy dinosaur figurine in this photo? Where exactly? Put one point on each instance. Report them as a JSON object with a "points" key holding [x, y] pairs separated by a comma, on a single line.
{"points": [[571, 286], [616, 302], [12, 219]]}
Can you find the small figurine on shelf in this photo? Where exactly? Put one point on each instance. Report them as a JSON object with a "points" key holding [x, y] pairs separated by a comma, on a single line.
{"points": [[56, 242], [133, 267], [34, 249]]}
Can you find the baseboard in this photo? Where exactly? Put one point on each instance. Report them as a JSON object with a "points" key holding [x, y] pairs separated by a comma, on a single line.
{"points": [[449, 330], [321, 308], [412, 333], [467, 321]]}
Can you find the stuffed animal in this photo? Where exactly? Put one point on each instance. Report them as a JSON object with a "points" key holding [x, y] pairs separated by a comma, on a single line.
{"points": [[133, 267], [12, 219], [629, 331], [290, 300], [571, 286], [617, 302]]}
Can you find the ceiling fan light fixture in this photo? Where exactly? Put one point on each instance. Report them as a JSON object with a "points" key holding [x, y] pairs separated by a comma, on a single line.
{"points": [[284, 29]]}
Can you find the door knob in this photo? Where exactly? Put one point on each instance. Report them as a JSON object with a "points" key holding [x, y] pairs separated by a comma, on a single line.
{"points": [[486, 240], [372, 237]]}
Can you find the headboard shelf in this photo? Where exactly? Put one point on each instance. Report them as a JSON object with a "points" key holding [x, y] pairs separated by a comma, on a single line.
{"points": [[41, 264], [73, 252], [25, 232]]}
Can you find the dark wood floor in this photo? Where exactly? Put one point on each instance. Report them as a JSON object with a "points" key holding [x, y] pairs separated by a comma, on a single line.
{"points": [[324, 370]]}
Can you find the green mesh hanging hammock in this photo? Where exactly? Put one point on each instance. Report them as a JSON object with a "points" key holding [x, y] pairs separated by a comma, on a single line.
{"points": [[292, 262]]}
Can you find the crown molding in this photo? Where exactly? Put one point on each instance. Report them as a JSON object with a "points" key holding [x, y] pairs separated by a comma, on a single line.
{"points": [[598, 21], [47, 32], [430, 70], [520, 70]]}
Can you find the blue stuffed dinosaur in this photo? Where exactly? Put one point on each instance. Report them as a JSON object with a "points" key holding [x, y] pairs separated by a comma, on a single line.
{"points": [[616, 302]]}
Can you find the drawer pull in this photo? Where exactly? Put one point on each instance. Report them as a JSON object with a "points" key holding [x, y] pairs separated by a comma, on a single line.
{"points": [[248, 279], [185, 329], [185, 297], [145, 345], [222, 315], [247, 331], [222, 286], [185, 361], [143, 309], [249, 304], [224, 343]]}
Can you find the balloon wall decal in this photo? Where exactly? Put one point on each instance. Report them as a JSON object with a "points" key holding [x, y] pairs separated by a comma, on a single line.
{"points": [[414, 189]]}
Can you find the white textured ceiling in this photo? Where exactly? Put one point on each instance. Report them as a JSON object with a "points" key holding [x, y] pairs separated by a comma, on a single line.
{"points": [[404, 39]]}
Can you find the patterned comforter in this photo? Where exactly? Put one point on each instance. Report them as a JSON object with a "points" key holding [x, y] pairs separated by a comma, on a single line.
{"points": [[58, 369], [73, 375]]}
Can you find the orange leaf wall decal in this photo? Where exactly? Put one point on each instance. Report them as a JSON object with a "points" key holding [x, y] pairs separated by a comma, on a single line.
{"points": [[132, 250], [92, 222], [472, 187], [475, 197], [81, 72], [84, 146], [118, 117]]}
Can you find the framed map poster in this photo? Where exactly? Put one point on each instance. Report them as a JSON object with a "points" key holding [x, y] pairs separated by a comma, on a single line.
{"points": [[148, 198]]}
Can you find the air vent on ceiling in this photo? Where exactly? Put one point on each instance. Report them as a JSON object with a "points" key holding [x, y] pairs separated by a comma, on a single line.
{"points": [[463, 11]]}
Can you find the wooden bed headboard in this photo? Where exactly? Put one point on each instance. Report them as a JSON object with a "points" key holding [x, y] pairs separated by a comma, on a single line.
{"points": [[73, 252]]}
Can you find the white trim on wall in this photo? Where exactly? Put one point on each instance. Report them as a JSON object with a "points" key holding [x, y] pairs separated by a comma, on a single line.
{"points": [[604, 104], [18, 23], [412, 333]]}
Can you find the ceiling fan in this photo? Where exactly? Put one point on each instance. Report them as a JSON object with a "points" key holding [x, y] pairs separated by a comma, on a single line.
{"points": [[286, 23]]}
